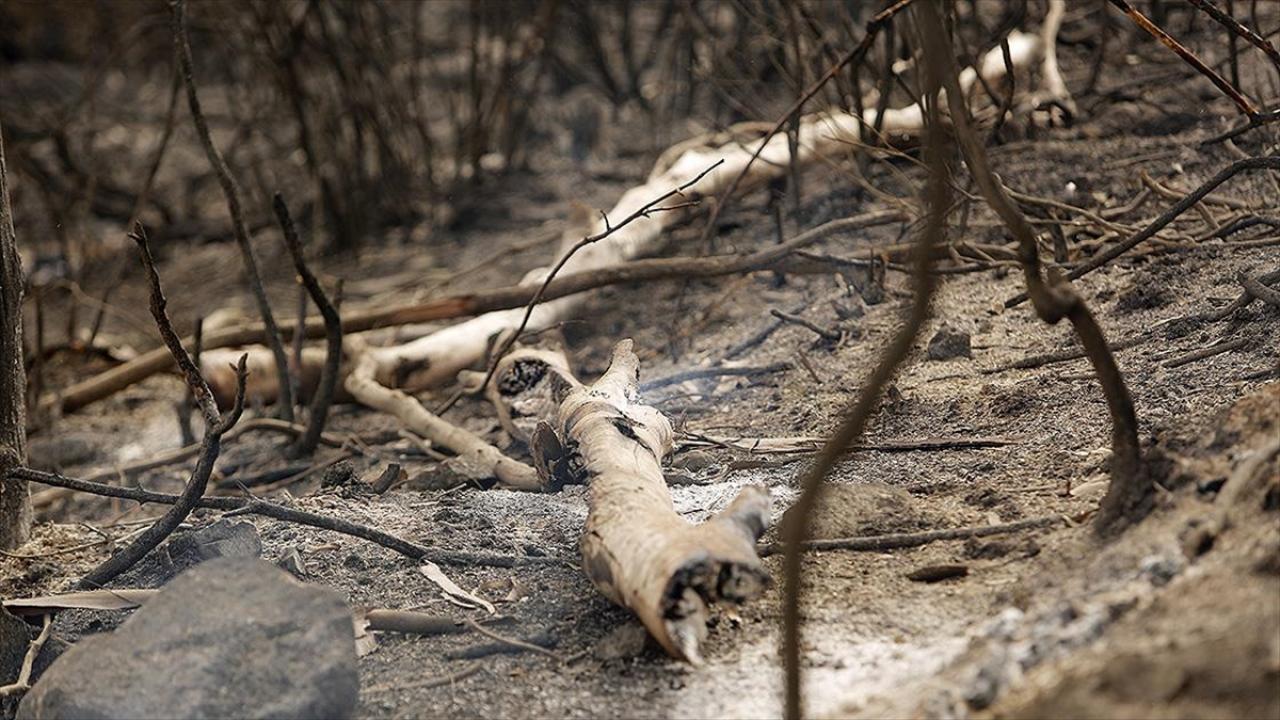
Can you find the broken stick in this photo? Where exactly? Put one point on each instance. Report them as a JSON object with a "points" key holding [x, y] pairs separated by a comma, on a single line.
{"points": [[636, 549], [475, 458]]}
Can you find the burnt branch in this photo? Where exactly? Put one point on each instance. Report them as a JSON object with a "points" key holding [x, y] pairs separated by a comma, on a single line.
{"points": [[1235, 27], [1269, 162], [182, 46], [214, 427], [333, 335], [796, 533], [254, 506], [1142, 21], [1053, 297], [463, 305], [15, 500], [853, 56]]}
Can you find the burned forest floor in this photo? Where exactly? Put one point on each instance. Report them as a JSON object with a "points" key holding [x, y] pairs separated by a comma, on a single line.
{"points": [[1050, 620]]}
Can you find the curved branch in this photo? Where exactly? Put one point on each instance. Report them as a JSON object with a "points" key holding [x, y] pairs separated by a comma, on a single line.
{"points": [[1054, 298], [332, 331], [182, 46], [795, 533], [214, 428]]}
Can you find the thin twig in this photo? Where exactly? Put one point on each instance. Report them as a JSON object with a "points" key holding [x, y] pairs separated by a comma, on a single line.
{"points": [[474, 303], [188, 402], [824, 333], [1036, 361], [1271, 162], [1208, 352], [231, 192], [23, 683], [644, 211], [712, 372], [854, 423], [431, 682], [513, 642], [895, 541], [333, 335], [873, 28], [214, 428], [1234, 26], [254, 506], [1167, 40]]}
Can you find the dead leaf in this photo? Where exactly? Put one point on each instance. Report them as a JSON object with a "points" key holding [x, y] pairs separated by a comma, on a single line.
{"points": [[366, 642], [125, 599], [451, 590]]}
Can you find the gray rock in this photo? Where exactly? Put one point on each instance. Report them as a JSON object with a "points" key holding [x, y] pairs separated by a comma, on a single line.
{"points": [[949, 343], [290, 559], [694, 460], [225, 538], [15, 636], [339, 474], [62, 451], [228, 638]]}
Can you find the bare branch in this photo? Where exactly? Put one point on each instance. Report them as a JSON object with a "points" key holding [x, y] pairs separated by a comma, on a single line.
{"points": [[214, 427], [856, 54], [795, 533], [333, 335], [1167, 40], [644, 211], [254, 506], [231, 191], [15, 501], [1053, 299]]}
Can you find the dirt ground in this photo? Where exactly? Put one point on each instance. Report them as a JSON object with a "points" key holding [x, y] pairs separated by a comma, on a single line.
{"points": [[1051, 622]]}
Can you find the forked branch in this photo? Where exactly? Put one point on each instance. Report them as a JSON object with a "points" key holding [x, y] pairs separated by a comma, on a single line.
{"points": [[332, 329], [214, 428]]}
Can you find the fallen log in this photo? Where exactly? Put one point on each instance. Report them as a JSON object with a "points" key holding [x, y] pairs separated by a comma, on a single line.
{"points": [[820, 135], [444, 353], [452, 307], [636, 549]]}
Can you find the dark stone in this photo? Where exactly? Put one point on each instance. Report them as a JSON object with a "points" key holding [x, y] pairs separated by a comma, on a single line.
{"points": [[339, 474], [62, 451], [15, 636], [229, 638], [224, 538], [949, 343]]}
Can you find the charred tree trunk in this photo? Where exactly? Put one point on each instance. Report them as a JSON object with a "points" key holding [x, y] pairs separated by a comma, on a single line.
{"points": [[15, 499]]}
